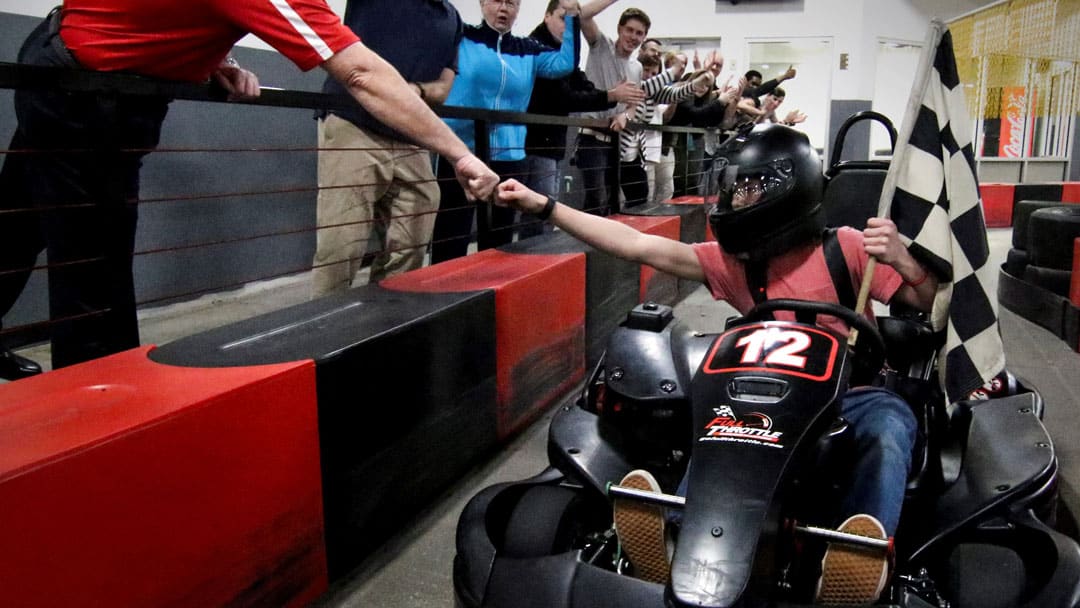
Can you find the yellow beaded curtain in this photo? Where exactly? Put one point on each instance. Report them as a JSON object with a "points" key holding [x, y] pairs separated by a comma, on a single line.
{"points": [[1020, 59]]}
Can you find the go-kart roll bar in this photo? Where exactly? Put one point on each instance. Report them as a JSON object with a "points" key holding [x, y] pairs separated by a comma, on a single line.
{"points": [[678, 502]]}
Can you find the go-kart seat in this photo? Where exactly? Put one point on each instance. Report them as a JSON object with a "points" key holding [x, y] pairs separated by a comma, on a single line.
{"points": [[853, 187], [852, 192]]}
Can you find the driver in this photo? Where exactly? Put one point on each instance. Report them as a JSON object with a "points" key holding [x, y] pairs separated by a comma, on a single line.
{"points": [[768, 226]]}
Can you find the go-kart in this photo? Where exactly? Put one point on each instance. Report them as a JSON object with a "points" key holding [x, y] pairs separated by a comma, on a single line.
{"points": [[756, 410]]}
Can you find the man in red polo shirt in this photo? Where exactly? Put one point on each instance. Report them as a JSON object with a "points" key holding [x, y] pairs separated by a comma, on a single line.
{"points": [[85, 202]]}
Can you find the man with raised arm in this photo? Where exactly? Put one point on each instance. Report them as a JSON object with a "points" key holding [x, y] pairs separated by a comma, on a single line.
{"points": [[87, 203]]}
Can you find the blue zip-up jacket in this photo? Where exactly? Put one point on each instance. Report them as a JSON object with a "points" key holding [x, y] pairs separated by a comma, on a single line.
{"points": [[496, 72]]}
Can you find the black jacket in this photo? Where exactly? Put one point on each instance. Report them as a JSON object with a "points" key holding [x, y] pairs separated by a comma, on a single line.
{"points": [[559, 97]]}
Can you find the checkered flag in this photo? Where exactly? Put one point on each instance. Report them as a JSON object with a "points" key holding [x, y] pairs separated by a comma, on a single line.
{"points": [[935, 204]]}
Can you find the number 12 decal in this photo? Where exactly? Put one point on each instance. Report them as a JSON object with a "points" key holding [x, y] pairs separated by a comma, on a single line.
{"points": [[777, 348], [793, 343]]}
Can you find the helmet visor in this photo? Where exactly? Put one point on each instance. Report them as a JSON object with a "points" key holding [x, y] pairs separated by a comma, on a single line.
{"points": [[743, 186]]}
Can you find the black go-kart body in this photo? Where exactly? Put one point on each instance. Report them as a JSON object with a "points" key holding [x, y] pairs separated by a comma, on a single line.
{"points": [[756, 409]]}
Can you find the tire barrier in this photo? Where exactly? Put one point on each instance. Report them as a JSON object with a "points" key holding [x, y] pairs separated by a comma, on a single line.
{"points": [[1042, 282], [1051, 232], [999, 200]]}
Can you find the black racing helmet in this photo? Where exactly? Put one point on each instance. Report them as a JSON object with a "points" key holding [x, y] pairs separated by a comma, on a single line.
{"points": [[767, 186]]}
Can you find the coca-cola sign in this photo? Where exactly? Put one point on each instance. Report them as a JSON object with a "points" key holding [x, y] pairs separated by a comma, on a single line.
{"points": [[1013, 104]]}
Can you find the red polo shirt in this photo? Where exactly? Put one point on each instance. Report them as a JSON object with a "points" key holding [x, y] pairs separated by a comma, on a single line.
{"points": [[187, 39], [801, 273]]}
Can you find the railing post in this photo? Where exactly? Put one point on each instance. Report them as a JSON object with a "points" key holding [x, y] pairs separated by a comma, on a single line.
{"points": [[483, 152], [614, 190]]}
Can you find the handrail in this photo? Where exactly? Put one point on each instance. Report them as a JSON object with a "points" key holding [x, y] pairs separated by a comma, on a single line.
{"points": [[19, 76]]}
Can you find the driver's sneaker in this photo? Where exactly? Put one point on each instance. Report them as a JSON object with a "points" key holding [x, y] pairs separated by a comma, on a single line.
{"points": [[640, 528], [853, 575]]}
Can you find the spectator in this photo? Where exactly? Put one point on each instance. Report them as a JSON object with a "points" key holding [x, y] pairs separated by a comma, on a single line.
{"points": [[755, 89], [651, 47], [660, 150], [87, 202], [610, 62], [545, 145], [377, 172], [632, 176], [772, 103], [497, 70]]}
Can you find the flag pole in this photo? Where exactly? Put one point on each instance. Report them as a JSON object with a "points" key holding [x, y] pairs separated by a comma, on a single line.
{"points": [[918, 90]]}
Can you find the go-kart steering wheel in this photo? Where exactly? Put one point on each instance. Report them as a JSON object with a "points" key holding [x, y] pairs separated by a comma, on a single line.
{"points": [[869, 347]]}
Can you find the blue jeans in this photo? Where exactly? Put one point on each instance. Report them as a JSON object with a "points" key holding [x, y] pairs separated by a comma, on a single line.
{"points": [[884, 430], [599, 165]]}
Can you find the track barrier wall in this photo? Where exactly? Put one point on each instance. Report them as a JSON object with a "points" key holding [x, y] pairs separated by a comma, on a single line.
{"points": [[254, 463]]}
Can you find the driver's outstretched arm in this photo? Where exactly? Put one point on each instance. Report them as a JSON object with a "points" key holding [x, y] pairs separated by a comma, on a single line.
{"points": [[620, 240]]}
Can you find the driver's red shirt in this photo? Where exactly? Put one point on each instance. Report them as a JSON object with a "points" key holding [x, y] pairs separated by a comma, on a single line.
{"points": [[188, 39], [800, 273]]}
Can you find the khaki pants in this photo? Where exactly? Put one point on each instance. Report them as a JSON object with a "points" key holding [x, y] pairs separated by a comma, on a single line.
{"points": [[366, 178]]}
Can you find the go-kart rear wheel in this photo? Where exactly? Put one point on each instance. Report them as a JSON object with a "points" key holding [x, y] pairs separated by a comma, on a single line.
{"points": [[542, 523]]}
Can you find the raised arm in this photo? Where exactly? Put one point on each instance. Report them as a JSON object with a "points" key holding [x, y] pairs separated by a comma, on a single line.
{"points": [[382, 91], [609, 236], [560, 62], [589, 28]]}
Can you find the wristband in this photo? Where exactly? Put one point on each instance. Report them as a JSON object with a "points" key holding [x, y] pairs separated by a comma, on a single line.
{"points": [[545, 213], [423, 93], [918, 282]]}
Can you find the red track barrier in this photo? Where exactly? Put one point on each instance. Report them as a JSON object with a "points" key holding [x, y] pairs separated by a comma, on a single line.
{"points": [[165, 486], [539, 323]]}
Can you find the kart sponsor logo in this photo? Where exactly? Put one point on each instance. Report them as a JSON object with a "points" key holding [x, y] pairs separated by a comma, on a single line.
{"points": [[778, 348], [752, 427]]}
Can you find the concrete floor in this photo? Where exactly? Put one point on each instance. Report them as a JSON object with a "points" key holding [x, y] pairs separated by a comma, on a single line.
{"points": [[413, 568]]}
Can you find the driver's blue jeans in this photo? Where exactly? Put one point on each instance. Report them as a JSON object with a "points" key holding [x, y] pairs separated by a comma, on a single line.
{"points": [[884, 430]]}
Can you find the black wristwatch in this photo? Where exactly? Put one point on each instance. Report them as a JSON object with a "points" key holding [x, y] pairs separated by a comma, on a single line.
{"points": [[545, 213]]}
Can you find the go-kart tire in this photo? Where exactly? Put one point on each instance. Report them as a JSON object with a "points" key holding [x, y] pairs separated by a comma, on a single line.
{"points": [[541, 522], [1015, 262], [1051, 279], [1051, 232], [1021, 212]]}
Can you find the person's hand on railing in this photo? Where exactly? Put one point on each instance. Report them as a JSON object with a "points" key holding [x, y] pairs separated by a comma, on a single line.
{"points": [[240, 84], [620, 120], [626, 92], [478, 180]]}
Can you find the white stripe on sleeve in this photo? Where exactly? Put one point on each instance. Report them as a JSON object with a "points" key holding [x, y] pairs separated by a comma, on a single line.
{"points": [[303, 28]]}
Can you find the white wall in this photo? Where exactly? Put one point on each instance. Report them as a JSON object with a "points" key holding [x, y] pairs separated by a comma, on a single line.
{"points": [[854, 25]]}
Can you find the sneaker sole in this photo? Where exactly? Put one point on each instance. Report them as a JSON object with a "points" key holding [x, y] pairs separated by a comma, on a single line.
{"points": [[640, 528], [852, 575]]}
